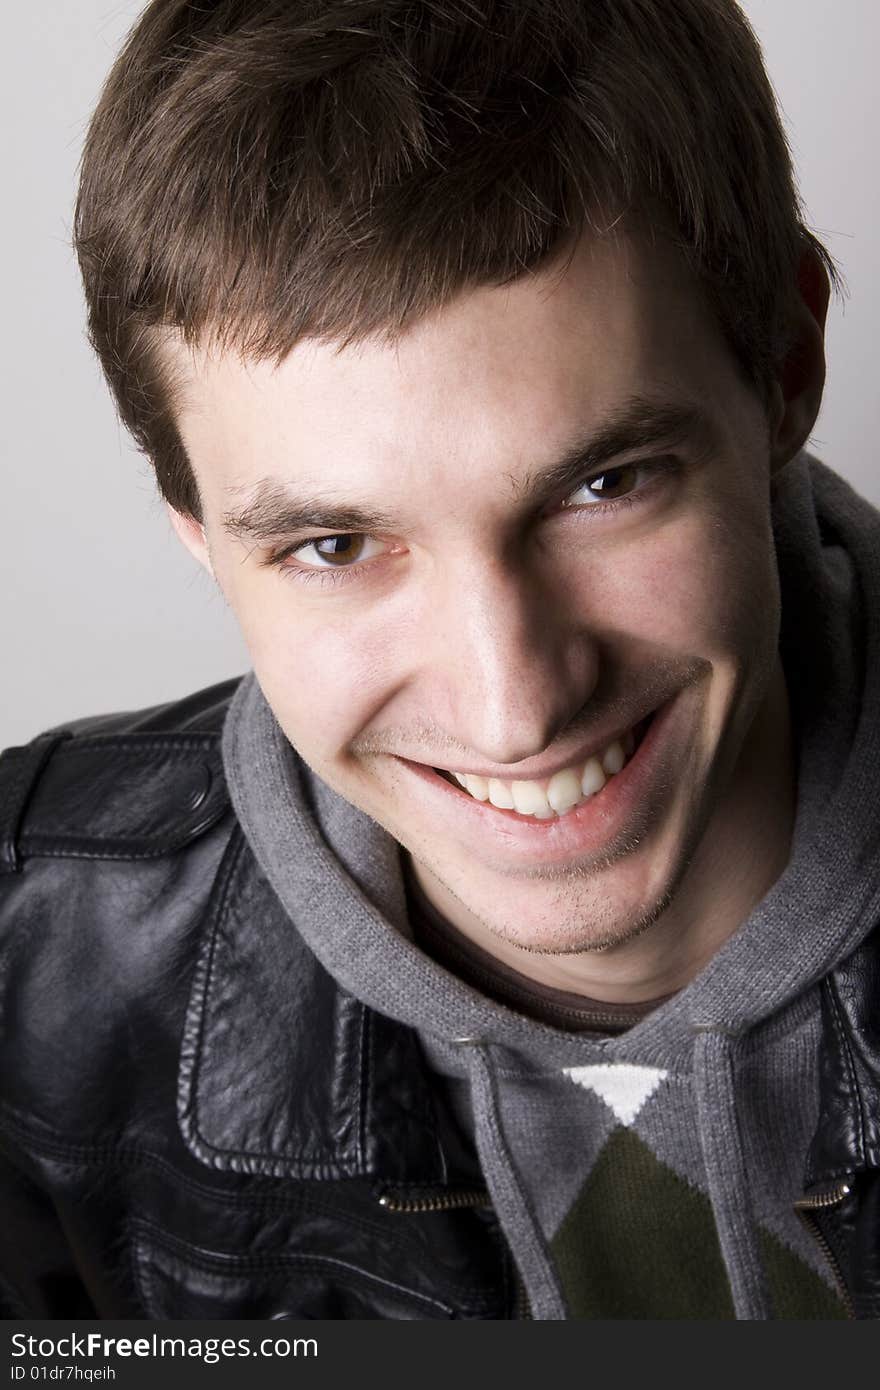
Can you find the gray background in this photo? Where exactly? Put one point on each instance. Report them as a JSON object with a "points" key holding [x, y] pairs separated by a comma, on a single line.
{"points": [[102, 608]]}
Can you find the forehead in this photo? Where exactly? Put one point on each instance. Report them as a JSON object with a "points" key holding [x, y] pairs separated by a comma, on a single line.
{"points": [[501, 373]]}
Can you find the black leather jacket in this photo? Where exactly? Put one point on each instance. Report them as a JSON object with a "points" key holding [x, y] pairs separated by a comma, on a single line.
{"points": [[196, 1122]]}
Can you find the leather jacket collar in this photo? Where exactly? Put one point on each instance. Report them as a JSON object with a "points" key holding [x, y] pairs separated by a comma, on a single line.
{"points": [[324, 1087]]}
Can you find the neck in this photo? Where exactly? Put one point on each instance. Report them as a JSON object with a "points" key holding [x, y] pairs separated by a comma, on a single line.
{"points": [[742, 852]]}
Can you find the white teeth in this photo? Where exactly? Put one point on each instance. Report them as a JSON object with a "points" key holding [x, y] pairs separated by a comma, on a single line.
{"points": [[613, 759], [500, 795], [564, 791], [477, 786], [592, 778], [529, 799]]}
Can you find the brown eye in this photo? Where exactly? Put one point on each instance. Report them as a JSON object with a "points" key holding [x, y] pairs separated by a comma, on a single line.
{"points": [[347, 550], [617, 482], [340, 550]]}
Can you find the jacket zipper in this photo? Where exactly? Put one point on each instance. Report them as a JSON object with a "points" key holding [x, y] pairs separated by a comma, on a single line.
{"points": [[452, 1201], [434, 1201], [822, 1201]]}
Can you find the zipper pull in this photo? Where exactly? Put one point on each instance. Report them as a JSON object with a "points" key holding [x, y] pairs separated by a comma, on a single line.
{"points": [[426, 1200], [824, 1200], [828, 1197]]}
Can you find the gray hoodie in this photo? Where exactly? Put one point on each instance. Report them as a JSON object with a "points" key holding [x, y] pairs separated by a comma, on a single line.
{"points": [[653, 1173]]}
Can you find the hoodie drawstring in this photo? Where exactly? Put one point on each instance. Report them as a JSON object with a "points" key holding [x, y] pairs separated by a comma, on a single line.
{"points": [[726, 1174], [511, 1201]]}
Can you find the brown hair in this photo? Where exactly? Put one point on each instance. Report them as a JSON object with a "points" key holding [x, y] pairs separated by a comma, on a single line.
{"points": [[259, 171]]}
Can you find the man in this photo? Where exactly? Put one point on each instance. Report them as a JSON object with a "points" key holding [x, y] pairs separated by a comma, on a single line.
{"points": [[502, 946]]}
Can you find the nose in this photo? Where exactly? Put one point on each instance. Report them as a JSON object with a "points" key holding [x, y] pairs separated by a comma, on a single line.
{"points": [[516, 665]]}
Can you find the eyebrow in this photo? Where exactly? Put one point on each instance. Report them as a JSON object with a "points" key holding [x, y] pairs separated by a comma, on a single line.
{"points": [[641, 423], [273, 511]]}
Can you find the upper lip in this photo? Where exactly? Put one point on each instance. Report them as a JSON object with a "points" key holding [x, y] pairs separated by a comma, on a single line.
{"points": [[536, 771]]}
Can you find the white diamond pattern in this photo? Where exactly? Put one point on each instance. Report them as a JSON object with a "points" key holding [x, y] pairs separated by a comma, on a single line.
{"points": [[624, 1088]]}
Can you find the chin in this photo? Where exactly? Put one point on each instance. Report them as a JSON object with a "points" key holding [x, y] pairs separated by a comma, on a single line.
{"points": [[595, 928], [587, 909]]}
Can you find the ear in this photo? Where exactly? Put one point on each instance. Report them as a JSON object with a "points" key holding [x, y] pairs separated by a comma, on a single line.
{"points": [[192, 534], [797, 391]]}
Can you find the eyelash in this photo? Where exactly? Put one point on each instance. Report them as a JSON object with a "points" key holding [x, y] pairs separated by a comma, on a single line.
{"points": [[659, 468], [307, 574], [320, 576]]}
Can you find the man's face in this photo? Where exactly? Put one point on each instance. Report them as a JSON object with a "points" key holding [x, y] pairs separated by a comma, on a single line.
{"points": [[495, 549]]}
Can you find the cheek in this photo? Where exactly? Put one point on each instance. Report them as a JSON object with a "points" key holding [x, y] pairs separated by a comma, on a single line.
{"points": [[703, 586], [319, 669]]}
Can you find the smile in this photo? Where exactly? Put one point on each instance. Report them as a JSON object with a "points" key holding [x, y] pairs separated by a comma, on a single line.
{"points": [[555, 796], [614, 788]]}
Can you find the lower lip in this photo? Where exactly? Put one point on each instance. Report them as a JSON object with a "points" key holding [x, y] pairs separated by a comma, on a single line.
{"points": [[587, 829]]}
